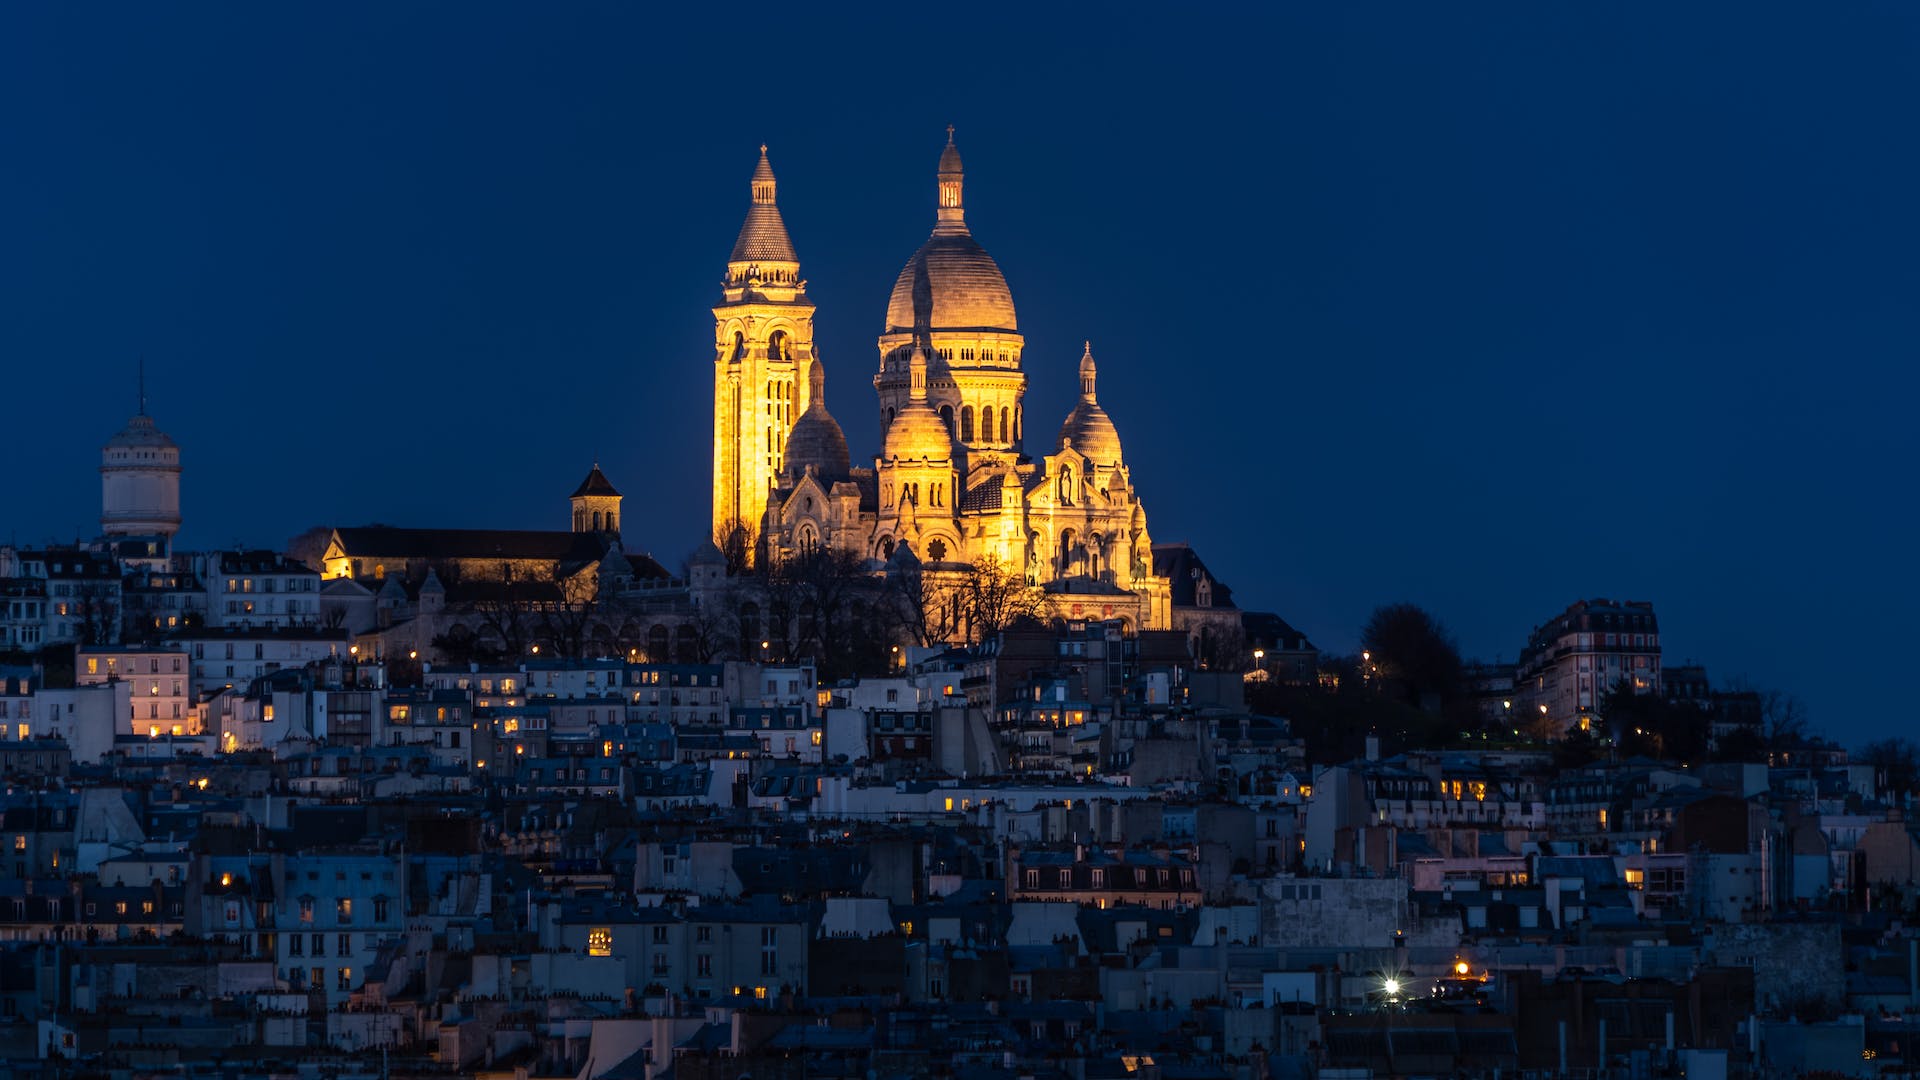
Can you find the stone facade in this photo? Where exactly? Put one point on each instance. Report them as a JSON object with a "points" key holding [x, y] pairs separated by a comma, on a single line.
{"points": [[954, 484]]}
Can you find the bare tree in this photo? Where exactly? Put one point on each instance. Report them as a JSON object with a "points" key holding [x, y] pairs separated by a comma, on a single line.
{"points": [[310, 547], [931, 604], [738, 541], [98, 605], [997, 596], [1783, 716], [505, 611], [715, 632], [824, 582], [566, 618]]}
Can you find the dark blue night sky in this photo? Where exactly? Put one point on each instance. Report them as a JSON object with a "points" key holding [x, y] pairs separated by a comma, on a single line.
{"points": [[1486, 307]]}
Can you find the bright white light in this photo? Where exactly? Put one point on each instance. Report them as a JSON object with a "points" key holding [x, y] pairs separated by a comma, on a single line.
{"points": [[1391, 986]]}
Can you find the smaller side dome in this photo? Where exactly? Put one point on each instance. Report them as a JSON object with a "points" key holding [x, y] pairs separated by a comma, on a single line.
{"points": [[816, 438], [917, 432], [1088, 429]]}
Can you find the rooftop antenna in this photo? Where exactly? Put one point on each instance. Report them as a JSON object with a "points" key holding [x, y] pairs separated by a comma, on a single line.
{"points": [[143, 386]]}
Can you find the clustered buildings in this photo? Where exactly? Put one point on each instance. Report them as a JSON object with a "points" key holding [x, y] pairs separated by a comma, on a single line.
{"points": [[523, 803]]}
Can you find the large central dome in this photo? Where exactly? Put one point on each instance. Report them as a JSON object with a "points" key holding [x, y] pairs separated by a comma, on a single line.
{"points": [[951, 283]]}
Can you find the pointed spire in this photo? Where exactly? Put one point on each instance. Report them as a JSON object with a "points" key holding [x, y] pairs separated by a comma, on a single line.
{"points": [[817, 384], [763, 237], [952, 212], [763, 184], [917, 377], [1087, 372]]}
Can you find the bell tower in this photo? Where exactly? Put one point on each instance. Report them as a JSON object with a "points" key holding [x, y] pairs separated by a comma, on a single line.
{"points": [[763, 357]]}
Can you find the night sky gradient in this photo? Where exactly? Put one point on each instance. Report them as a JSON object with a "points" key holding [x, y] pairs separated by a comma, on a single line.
{"points": [[1485, 307]]}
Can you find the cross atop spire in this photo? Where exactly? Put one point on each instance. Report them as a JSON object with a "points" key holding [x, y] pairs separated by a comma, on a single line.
{"points": [[763, 179]]}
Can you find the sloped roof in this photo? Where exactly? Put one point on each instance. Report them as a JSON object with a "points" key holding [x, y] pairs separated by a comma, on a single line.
{"points": [[596, 483], [391, 542], [1182, 566]]}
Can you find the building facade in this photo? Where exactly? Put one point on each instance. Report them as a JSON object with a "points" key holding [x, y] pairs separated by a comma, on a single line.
{"points": [[954, 483], [1572, 663]]}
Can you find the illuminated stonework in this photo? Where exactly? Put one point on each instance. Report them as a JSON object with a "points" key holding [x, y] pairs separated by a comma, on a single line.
{"points": [[763, 355], [954, 482]]}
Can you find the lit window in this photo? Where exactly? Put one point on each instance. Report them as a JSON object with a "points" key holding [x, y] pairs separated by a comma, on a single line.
{"points": [[600, 941]]}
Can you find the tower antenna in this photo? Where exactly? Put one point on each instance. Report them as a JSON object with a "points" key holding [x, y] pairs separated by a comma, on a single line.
{"points": [[143, 386]]}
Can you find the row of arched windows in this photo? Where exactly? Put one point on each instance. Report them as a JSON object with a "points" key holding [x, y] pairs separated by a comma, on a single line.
{"points": [[902, 355], [1006, 424]]}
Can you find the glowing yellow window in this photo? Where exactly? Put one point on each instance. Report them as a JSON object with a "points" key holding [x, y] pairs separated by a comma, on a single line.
{"points": [[760, 993], [1603, 818], [816, 738], [600, 941], [1636, 879]]}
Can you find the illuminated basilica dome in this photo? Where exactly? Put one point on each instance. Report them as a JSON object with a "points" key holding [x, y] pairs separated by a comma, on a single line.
{"points": [[956, 484], [816, 439], [917, 432], [1089, 429], [951, 283]]}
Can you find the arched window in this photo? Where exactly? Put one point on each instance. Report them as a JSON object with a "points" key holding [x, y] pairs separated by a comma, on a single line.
{"points": [[777, 345], [889, 418], [596, 521], [1018, 418], [1005, 415], [966, 423], [937, 550], [739, 346], [686, 646], [657, 644], [1066, 552], [886, 547], [808, 541], [946, 415]]}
